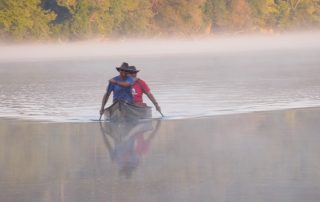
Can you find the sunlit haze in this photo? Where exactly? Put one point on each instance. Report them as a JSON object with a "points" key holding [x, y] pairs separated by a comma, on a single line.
{"points": [[156, 47]]}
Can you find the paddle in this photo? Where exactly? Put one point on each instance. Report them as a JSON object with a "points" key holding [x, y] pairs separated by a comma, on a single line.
{"points": [[161, 114], [101, 115]]}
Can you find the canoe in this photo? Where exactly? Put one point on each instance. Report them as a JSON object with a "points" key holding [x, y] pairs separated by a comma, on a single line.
{"points": [[121, 111]]}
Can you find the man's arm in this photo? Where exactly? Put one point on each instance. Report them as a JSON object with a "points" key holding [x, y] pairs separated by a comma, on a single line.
{"points": [[154, 101], [124, 84], [104, 101], [146, 90]]}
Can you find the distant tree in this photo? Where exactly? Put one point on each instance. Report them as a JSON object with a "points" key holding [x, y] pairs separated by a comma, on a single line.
{"points": [[70, 4], [79, 24], [304, 13], [240, 15], [264, 13], [90, 18], [283, 17], [175, 16], [131, 17], [24, 19], [81, 19], [216, 13], [298, 13]]}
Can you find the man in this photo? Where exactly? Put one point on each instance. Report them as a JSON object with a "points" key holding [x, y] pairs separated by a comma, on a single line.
{"points": [[139, 88], [120, 86]]}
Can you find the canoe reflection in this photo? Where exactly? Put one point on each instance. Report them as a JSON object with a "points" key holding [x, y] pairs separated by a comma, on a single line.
{"points": [[127, 142]]}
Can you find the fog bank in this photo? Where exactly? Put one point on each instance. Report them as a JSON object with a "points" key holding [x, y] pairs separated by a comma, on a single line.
{"points": [[156, 47]]}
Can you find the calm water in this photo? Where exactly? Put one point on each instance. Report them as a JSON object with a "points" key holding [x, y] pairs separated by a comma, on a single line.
{"points": [[240, 157], [253, 157], [188, 78]]}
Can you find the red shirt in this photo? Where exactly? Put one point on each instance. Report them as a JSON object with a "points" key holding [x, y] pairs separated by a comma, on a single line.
{"points": [[138, 89]]}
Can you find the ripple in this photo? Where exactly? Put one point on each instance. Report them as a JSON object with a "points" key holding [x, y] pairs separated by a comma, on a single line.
{"points": [[185, 85]]}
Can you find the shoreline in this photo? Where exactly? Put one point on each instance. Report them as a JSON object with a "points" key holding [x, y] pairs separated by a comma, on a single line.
{"points": [[222, 34]]}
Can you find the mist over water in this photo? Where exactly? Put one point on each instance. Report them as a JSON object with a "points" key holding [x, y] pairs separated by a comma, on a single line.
{"points": [[102, 49], [262, 156], [189, 78]]}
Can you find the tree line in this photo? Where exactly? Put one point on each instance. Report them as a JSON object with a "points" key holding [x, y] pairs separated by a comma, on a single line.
{"points": [[83, 19]]}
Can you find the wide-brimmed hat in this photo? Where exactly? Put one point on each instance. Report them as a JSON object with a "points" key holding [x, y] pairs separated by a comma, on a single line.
{"points": [[133, 69], [124, 66]]}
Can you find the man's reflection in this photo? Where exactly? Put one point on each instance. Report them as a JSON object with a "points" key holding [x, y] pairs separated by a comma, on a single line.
{"points": [[127, 142]]}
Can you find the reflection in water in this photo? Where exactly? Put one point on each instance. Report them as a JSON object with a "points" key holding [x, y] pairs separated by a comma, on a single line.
{"points": [[267, 156], [127, 142]]}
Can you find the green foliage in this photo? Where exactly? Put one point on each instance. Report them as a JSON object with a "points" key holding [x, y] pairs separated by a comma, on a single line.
{"points": [[70, 4], [240, 15], [283, 17], [90, 18], [305, 13], [131, 17], [24, 19], [80, 24], [216, 11], [175, 16], [264, 12], [106, 17], [297, 14]]}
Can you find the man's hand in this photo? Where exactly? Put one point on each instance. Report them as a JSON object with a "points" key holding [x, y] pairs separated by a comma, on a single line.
{"points": [[112, 81], [101, 111]]}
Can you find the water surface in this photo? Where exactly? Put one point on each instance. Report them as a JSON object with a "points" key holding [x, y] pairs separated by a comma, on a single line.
{"points": [[242, 157], [194, 78], [266, 156]]}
